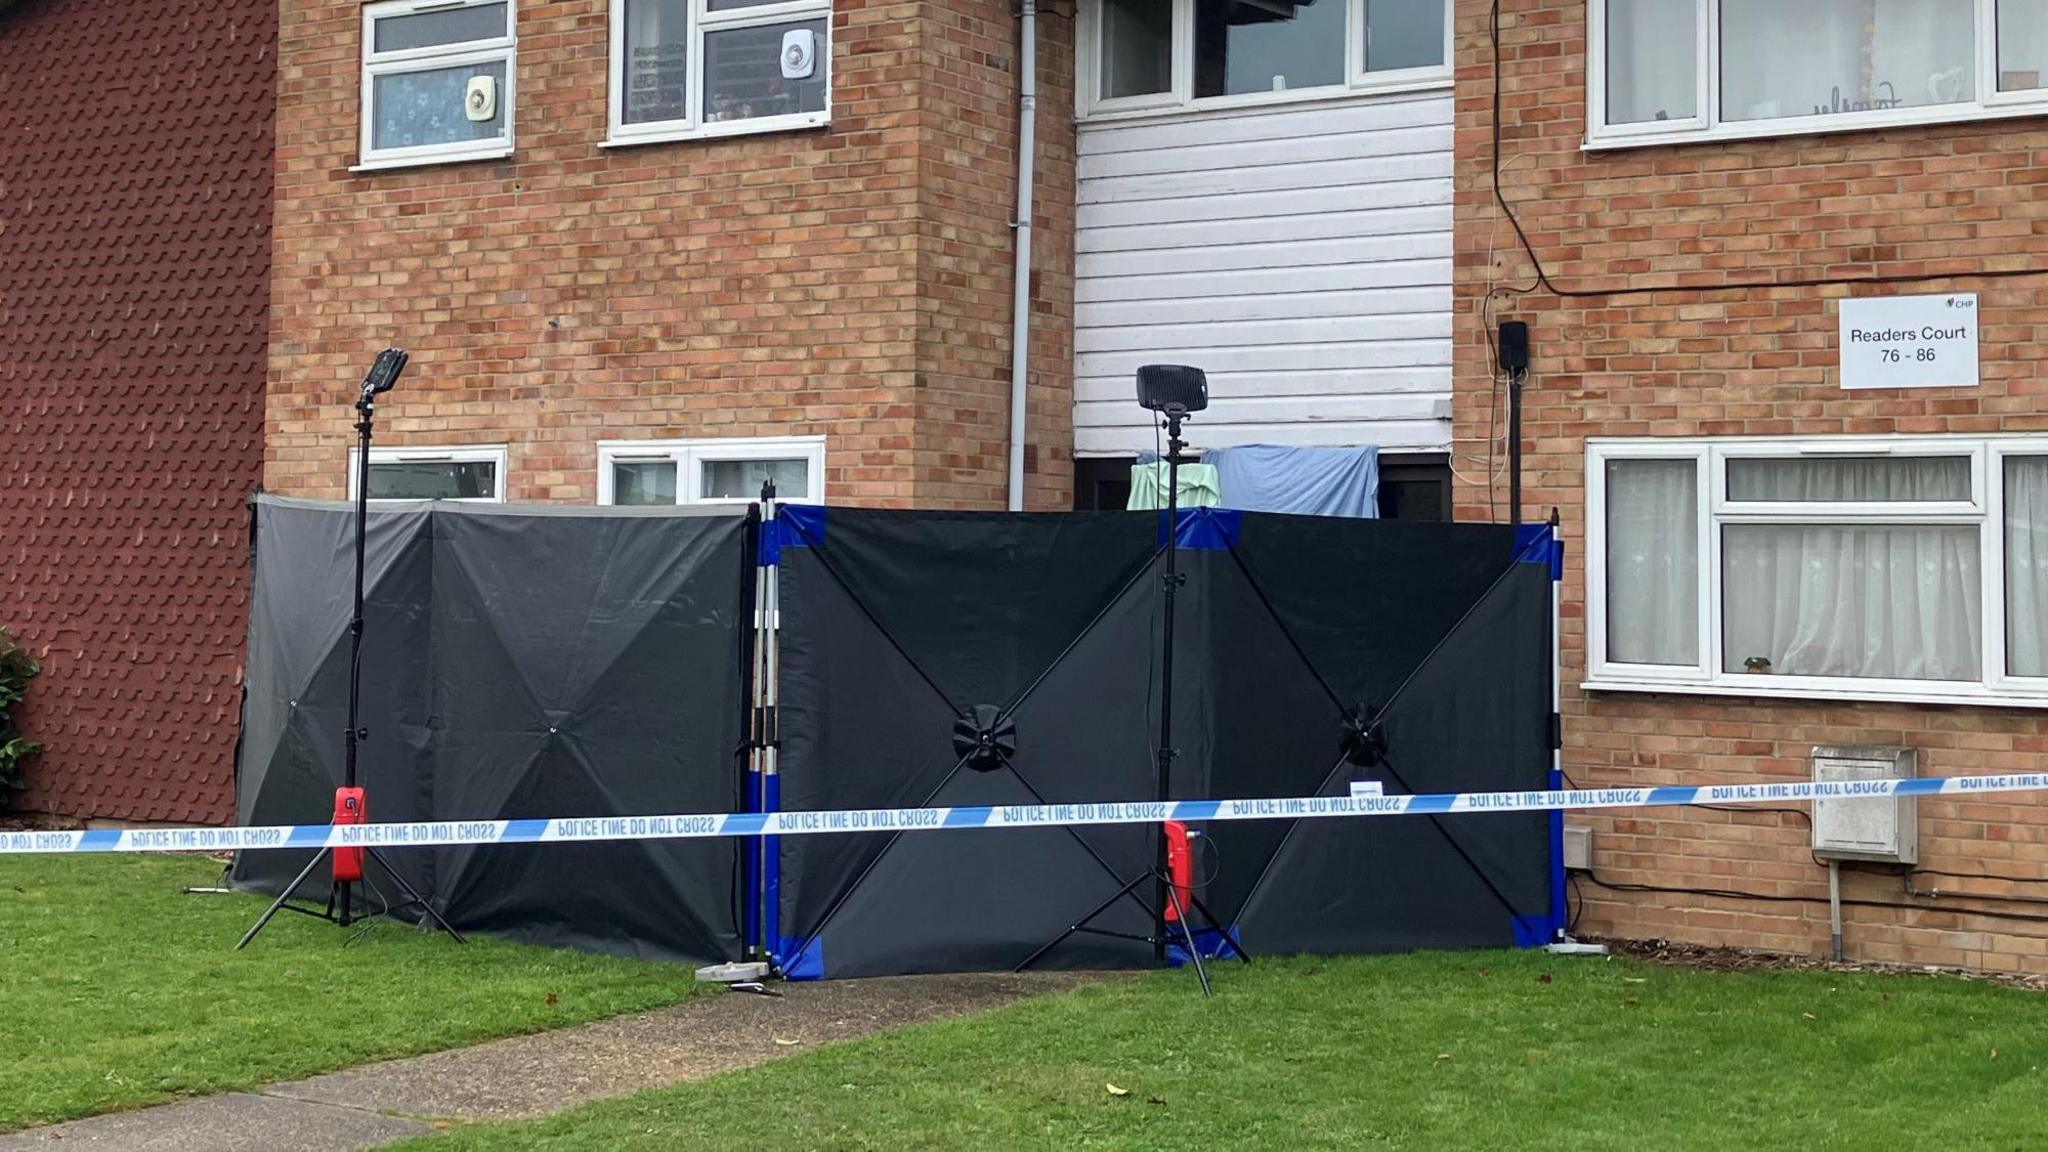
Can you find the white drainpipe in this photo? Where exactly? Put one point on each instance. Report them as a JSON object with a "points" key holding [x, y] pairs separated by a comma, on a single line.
{"points": [[1020, 317]]}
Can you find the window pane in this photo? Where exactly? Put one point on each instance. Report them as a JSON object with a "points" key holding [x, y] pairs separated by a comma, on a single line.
{"points": [[2026, 565], [434, 480], [656, 85], [1137, 47], [1885, 601], [1652, 60], [1825, 57], [415, 108], [1267, 45], [644, 482], [1907, 479], [1403, 34], [742, 479], [434, 29], [1653, 564], [743, 73], [2022, 44]]}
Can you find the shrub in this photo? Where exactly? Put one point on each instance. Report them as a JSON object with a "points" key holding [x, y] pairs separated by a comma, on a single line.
{"points": [[16, 668]]}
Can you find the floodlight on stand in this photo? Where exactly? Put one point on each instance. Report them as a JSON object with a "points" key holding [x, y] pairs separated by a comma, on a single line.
{"points": [[1174, 389], [384, 372], [351, 804]]}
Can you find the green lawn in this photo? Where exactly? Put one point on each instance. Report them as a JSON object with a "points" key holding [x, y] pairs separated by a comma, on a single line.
{"points": [[118, 992], [1469, 1051]]}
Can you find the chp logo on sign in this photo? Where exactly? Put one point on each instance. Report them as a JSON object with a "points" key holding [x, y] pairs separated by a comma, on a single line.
{"points": [[1910, 341]]}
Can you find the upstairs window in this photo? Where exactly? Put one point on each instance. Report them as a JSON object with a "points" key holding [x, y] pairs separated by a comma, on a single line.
{"points": [[437, 81], [1862, 569], [686, 68], [1157, 54], [1664, 71]]}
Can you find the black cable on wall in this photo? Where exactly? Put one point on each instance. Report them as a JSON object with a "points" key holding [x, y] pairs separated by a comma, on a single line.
{"points": [[1544, 281]]}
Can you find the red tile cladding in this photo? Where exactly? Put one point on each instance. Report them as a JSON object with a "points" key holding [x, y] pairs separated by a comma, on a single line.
{"points": [[135, 178]]}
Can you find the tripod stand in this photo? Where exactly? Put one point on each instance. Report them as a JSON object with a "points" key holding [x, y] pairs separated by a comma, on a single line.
{"points": [[1166, 893], [349, 802]]}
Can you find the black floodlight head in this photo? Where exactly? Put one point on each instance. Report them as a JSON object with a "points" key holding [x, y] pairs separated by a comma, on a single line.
{"points": [[1514, 348], [385, 372], [1174, 389]]}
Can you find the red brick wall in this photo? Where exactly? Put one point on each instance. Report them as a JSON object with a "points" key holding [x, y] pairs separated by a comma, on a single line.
{"points": [[851, 281], [969, 196], [1747, 362], [135, 177]]}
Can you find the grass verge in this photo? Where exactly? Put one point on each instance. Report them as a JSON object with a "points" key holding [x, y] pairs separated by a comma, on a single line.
{"points": [[119, 992], [1434, 1051]]}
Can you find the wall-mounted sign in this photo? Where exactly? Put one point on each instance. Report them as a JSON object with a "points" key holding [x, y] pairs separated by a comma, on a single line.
{"points": [[1910, 341]]}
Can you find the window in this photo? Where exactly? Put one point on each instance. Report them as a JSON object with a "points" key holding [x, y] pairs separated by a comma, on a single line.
{"points": [[1152, 54], [663, 472], [1868, 569], [1415, 486], [473, 474], [1102, 483], [1670, 70], [437, 81], [683, 68]]}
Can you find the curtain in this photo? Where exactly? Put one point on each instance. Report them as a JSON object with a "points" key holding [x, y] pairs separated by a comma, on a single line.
{"points": [[1652, 61], [1653, 598], [1136, 47], [1819, 57], [1889, 601], [1924, 50], [2022, 45], [2026, 565], [1885, 479], [656, 80], [415, 108]]}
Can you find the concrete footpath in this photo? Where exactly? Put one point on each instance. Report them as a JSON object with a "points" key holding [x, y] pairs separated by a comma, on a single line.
{"points": [[535, 1075]]}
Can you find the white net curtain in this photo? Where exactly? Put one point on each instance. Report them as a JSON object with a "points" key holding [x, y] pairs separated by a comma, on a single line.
{"points": [[1841, 596]]}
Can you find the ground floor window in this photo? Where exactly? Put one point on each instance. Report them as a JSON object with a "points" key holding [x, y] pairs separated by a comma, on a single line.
{"points": [[1881, 568], [718, 471], [473, 473]]}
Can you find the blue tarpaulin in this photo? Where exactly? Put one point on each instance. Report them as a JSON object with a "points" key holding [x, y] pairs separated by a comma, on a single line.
{"points": [[1312, 481]]}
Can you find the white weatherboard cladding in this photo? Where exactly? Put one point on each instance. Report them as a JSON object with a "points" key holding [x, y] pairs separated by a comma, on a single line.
{"points": [[1301, 255]]}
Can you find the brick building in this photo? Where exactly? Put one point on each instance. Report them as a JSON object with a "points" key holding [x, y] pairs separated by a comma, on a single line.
{"points": [[134, 260], [802, 278], [1776, 542], [660, 263]]}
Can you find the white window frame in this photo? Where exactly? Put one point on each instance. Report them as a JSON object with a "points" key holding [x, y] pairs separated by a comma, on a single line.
{"points": [[703, 22], [1990, 104], [452, 454], [690, 456], [1181, 94], [377, 63], [1985, 509]]}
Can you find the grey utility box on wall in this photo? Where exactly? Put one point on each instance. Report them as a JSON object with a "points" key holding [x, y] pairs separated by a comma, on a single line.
{"points": [[1883, 829]]}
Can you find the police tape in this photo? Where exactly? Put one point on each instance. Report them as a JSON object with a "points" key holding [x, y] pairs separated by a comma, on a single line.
{"points": [[1362, 803]]}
